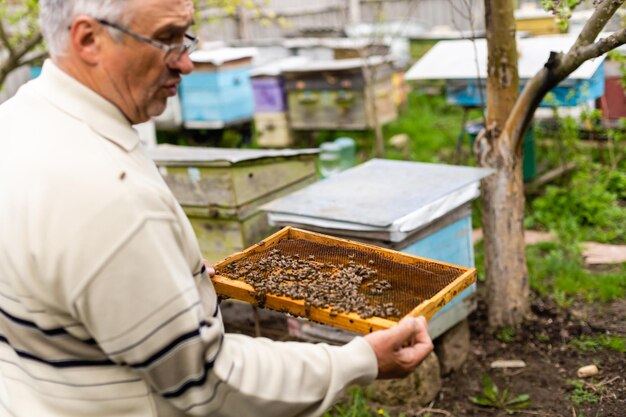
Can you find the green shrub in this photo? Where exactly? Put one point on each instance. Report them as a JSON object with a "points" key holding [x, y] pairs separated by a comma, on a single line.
{"points": [[588, 208]]}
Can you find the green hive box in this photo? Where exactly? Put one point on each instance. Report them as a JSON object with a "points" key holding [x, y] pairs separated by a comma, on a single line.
{"points": [[336, 94], [221, 189]]}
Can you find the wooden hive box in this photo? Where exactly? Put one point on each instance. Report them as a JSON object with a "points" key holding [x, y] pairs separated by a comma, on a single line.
{"points": [[536, 21], [335, 94], [221, 190], [218, 92], [418, 286], [269, 94], [417, 208], [273, 130]]}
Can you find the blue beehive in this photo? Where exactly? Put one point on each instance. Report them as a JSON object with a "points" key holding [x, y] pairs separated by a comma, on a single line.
{"points": [[219, 92], [417, 208], [461, 63], [570, 93]]}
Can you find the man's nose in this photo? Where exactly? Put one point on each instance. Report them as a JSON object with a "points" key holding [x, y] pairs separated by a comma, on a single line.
{"points": [[184, 64]]}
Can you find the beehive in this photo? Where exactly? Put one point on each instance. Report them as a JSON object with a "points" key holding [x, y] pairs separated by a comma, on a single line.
{"points": [[419, 286], [341, 94], [273, 130], [219, 92], [221, 190], [417, 208]]}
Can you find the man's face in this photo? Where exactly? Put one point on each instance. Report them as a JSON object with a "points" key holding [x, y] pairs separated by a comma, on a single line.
{"points": [[137, 78]]}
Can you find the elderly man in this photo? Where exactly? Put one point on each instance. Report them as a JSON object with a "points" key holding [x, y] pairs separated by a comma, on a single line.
{"points": [[106, 308]]}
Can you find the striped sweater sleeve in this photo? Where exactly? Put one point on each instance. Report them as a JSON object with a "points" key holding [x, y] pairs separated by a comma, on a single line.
{"points": [[150, 312]]}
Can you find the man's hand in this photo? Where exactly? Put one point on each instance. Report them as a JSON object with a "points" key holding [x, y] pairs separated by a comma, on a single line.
{"points": [[209, 268], [402, 348]]}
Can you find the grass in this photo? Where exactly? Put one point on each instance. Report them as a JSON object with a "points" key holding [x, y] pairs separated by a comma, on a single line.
{"points": [[582, 393], [595, 343], [556, 269], [356, 404], [433, 127], [505, 334]]}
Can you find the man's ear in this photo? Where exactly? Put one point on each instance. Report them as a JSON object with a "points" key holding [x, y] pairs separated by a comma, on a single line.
{"points": [[85, 39]]}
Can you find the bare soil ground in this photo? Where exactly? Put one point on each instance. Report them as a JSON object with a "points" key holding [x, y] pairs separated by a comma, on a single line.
{"points": [[544, 343]]}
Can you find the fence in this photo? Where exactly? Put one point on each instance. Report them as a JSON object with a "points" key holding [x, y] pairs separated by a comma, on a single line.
{"points": [[304, 17]]}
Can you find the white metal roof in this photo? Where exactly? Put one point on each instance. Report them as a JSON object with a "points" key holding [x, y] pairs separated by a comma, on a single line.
{"points": [[173, 155], [219, 56], [342, 64], [450, 60], [395, 197], [275, 68]]}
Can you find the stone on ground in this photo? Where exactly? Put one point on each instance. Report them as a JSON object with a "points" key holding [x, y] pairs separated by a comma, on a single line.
{"points": [[418, 389], [453, 347]]}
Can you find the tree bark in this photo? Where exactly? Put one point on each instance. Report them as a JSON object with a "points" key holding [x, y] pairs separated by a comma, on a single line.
{"points": [[502, 192], [500, 146], [243, 23]]}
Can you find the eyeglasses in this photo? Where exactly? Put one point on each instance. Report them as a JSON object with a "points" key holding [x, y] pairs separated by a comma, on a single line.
{"points": [[173, 52]]}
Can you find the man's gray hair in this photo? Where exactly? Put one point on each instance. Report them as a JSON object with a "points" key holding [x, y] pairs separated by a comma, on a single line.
{"points": [[55, 16]]}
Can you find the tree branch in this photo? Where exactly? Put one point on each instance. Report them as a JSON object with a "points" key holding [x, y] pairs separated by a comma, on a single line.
{"points": [[34, 58], [584, 47], [598, 20], [28, 45], [560, 66], [603, 45], [524, 109], [5, 40]]}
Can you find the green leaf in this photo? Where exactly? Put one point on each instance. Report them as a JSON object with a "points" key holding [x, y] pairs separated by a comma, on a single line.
{"points": [[481, 401], [520, 405], [519, 399]]}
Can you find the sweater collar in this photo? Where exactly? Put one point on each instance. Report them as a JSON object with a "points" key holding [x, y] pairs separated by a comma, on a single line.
{"points": [[80, 102]]}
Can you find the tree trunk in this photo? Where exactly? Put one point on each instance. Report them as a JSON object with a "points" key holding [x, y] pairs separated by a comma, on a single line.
{"points": [[243, 23], [500, 146], [503, 192]]}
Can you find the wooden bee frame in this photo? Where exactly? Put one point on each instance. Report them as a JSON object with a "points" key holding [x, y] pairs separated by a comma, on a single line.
{"points": [[457, 279]]}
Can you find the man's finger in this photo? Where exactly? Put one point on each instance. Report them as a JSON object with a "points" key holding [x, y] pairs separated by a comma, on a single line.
{"points": [[405, 331]]}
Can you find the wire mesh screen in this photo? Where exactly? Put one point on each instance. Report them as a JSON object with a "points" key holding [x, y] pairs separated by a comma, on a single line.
{"points": [[345, 279]]}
